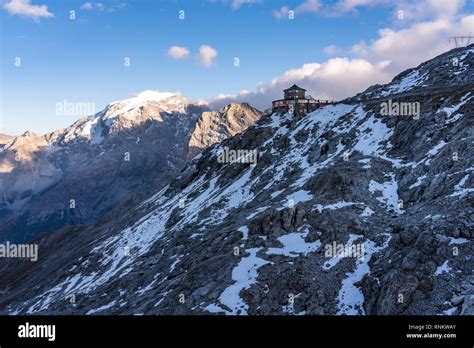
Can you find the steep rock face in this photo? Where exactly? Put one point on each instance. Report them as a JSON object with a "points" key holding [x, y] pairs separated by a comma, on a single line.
{"points": [[25, 170], [348, 210], [215, 126], [77, 174], [4, 139]]}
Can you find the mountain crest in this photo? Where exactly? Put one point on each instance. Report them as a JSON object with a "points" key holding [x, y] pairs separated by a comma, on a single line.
{"points": [[215, 126], [346, 208], [453, 68]]}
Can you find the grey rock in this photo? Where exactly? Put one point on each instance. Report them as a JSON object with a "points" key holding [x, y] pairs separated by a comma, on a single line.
{"points": [[408, 267]]}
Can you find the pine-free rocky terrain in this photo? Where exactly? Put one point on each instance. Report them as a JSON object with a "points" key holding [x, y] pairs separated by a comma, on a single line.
{"points": [[238, 238], [78, 174]]}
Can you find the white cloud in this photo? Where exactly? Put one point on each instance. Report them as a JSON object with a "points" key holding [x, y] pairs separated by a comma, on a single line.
{"points": [[350, 5], [413, 9], [377, 61], [418, 41], [410, 46], [25, 8], [99, 6], [446, 8], [360, 49], [323, 81], [311, 6], [329, 9], [236, 4], [429, 9], [281, 12], [331, 50], [87, 6], [177, 52], [207, 54]]}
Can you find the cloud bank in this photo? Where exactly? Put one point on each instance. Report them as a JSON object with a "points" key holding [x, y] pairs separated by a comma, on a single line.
{"points": [[427, 27]]}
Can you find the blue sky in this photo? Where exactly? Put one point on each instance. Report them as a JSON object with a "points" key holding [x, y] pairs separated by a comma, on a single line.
{"points": [[82, 60]]}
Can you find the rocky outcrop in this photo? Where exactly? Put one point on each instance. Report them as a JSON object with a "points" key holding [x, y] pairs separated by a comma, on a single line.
{"points": [[348, 210], [5, 139], [216, 126], [77, 174]]}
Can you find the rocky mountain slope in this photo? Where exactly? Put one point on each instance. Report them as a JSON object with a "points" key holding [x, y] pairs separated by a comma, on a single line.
{"points": [[348, 210], [78, 174], [216, 126], [5, 139]]}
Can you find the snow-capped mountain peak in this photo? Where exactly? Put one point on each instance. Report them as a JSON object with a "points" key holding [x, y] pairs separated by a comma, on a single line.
{"points": [[166, 101], [128, 113], [148, 133], [345, 208]]}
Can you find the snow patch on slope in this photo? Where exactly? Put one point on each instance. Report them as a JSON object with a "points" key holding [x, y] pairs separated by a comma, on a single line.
{"points": [[294, 245], [244, 275], [350, 298], [389, 193]]}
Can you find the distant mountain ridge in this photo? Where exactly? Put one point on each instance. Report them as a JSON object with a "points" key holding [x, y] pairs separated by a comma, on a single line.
{"points": [[262, 238], [77, 174], [215, 126], [5, 139]]}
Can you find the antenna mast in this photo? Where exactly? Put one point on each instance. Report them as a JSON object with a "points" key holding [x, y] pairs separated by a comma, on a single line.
{"points": [[459, 40]]}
